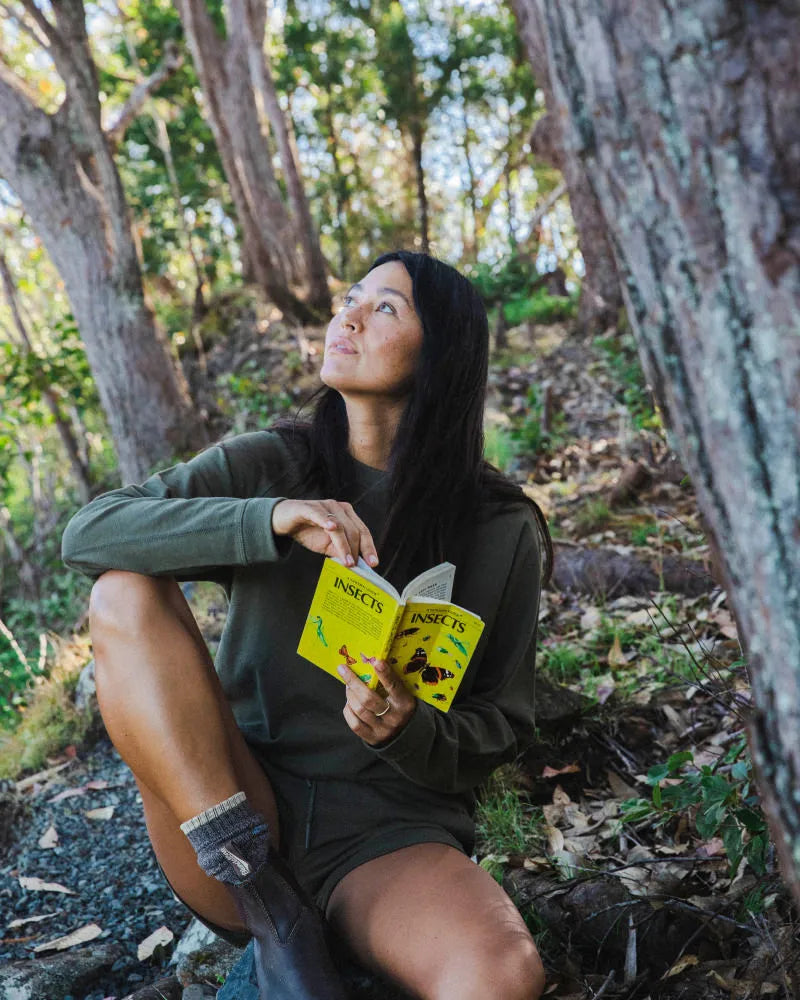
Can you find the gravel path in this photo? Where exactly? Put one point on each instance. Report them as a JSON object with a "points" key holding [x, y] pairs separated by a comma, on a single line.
{"points": [[106, 862]]}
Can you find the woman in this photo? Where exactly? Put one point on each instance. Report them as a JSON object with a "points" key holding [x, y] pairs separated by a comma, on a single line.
{"points": [[268, 770]]}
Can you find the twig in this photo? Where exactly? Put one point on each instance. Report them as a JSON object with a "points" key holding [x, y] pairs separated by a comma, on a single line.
{"points": [[608, 981]]}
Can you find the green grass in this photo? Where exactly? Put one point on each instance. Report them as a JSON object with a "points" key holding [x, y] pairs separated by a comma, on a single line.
{"points": [[505, 822], [48, 721], [592, 515], [540, 308]]}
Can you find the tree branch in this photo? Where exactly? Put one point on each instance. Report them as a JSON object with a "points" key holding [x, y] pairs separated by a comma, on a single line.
{"points": [[171, 63]]}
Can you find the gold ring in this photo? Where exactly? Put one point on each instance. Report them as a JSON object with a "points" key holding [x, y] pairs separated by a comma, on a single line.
{"points": [[388, 706]]}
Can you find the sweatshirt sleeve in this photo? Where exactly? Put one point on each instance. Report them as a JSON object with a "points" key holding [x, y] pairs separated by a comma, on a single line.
{"points": [[185, 521], [457, 750]]}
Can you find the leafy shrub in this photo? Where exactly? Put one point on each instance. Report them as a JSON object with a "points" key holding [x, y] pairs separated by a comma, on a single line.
{"points": [[623, 360], [717, 799]]}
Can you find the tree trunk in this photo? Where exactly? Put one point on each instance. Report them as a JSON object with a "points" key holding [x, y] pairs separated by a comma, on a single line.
{"points": [[686, 117], [60, 166], [417, 136], [601, 293], [268, 233], [251, 15]]}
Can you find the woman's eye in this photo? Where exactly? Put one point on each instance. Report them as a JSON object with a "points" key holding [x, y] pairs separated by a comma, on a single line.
{"points": [[389, 305], [346, 300]]}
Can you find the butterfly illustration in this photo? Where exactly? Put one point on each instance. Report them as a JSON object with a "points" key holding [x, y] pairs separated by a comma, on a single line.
{"points": [[372, 660], [428, 673], [343, 652]]}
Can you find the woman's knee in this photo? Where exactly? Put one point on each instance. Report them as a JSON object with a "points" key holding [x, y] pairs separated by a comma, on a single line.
{"points": [[121, 600], [508, 969]]}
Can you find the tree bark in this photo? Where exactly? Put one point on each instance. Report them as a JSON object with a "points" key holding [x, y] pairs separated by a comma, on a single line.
{"points": [[601, 293], [686, 117], [269, 234], [417, 133], [252, 16], [61, 168]]}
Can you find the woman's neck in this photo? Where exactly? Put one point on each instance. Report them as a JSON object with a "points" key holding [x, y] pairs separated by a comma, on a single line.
{"points": [[372, 430]]}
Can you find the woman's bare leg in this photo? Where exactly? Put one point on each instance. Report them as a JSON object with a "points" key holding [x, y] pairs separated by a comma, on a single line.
{"points": [[439, 925], [165, 712]]}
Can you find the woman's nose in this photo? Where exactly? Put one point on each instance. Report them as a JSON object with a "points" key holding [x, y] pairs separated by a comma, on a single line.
{"points": [[352, 317]]}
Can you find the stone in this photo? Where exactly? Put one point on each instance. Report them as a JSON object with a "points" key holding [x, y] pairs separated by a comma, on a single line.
{"points": [[58, 975], [164, 989], [201, 956]]}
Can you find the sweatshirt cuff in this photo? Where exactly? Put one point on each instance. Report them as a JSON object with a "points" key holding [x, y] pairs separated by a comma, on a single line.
{"points": [[414, 738], [259, 543]]}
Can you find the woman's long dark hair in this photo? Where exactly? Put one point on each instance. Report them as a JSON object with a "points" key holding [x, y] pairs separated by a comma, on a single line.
{"points": [[439, 480]]}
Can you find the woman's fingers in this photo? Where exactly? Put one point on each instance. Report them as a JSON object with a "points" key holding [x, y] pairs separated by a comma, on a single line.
{"points": [[373, 717], [329, 527]]}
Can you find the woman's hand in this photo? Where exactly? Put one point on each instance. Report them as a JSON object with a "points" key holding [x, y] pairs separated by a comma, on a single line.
{"points": [[373, 717], [329, 527]]}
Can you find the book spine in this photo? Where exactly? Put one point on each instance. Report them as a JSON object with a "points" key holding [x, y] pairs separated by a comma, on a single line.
{"points": [[390, 637]]}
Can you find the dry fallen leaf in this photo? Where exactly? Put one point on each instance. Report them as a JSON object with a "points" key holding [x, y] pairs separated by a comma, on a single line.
{"points": [[158, 938], [551, 772], [680, 965], [39, 885], [49, 838], [104, 812], [91, 786], [21, 921], [555, 839], [83, 934], [616, 658]]}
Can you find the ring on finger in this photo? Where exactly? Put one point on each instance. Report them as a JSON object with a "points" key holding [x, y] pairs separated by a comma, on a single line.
{"points": [[388, 706]]}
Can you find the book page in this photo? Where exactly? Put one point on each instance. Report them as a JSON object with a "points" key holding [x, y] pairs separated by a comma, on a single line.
{"points": [[435, 584], [363, 569]]}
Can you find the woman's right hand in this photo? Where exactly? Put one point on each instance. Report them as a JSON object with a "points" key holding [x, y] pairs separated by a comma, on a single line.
{"points": [[329, 527]]}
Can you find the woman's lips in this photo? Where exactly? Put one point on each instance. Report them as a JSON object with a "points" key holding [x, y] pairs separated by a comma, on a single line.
{"points": [[342, 347]]}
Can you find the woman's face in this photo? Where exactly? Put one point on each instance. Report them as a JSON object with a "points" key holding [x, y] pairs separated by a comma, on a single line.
{"points": [[373, 342]]}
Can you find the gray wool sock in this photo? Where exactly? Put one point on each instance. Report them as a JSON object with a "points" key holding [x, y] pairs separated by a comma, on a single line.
{"points": [[230, 822]]}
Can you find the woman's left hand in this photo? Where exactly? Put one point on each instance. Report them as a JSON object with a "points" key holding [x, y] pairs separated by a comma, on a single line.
{"points": [[371, 716]]}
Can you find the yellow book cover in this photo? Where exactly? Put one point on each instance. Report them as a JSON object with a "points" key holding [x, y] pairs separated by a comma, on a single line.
{"points": [[356, 617]]}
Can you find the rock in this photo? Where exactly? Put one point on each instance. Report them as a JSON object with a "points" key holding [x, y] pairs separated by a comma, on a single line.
{"points": [[164, 989], [58, 976], [199, 991], [12, 809], [201, 956], [86, 690]]}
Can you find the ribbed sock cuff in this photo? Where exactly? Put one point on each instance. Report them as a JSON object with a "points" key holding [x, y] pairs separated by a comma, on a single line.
{"points": [[215, 812], [232, 822]]}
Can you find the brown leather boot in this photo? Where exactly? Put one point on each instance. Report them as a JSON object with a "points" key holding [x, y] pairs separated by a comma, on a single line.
{"points": [[291, 957]]}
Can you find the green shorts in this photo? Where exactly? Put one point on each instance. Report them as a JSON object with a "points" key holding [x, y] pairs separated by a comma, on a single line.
{"points": [[328, 827]]}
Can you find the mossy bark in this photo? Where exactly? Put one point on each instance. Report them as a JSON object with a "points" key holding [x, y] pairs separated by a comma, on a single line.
{"points": [[686, 116]]}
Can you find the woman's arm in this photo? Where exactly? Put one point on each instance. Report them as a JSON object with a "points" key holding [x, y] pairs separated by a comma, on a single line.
{"points": [[455, 751], [187, 519]]}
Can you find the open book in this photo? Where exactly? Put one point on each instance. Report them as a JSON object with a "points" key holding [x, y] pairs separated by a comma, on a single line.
{"points": [[358, 618]]}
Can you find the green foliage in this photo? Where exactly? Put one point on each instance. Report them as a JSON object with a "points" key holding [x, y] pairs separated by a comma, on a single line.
{"points": [[505, 823], [593, 514], [49, 721], [718, 800], [499, 447], [541, 308], [527, 433], [562, 661], [642, 532], [622, 358], [248, 398]]}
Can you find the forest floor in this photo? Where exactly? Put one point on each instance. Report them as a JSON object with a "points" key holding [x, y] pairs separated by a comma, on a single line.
{"points": [[629, 834]]}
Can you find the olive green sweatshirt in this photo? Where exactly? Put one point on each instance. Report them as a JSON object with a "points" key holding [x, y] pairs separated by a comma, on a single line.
{"points": [[210, 518]]}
